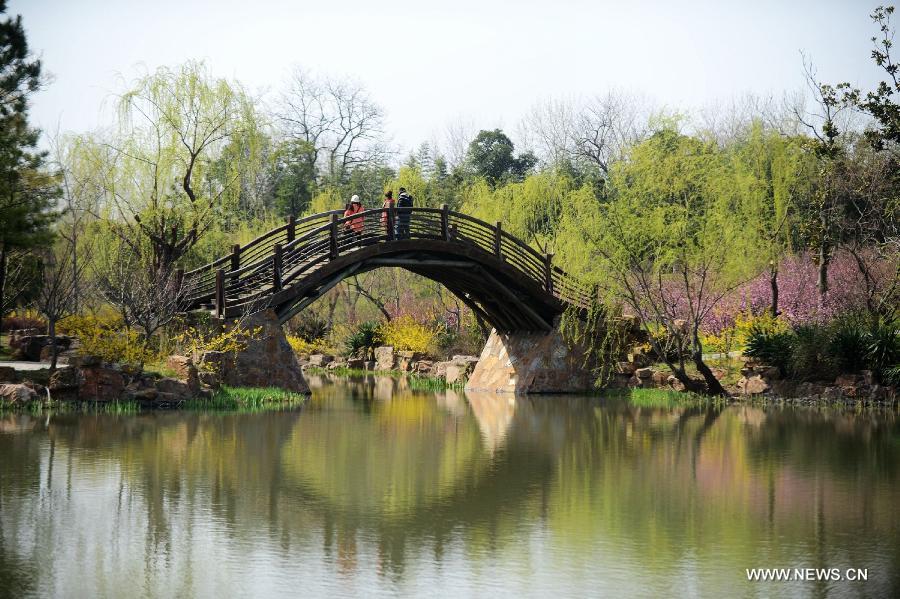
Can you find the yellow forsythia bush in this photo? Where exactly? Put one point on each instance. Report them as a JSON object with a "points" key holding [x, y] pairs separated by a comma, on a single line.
{"points": [[302, 346], [193, 341], [735, 337], [103, 335], [404, 333]]}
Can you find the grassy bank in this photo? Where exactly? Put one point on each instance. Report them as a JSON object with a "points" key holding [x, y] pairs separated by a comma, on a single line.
{"points": [[246, 399], [73, 407], [226, 399], [417, 382]]}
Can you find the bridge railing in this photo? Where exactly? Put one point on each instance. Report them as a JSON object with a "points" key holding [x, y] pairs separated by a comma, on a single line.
{"points": [[274, 260]]}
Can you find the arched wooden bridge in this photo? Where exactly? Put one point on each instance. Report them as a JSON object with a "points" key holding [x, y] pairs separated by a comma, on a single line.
{"points": [[508, 283]]}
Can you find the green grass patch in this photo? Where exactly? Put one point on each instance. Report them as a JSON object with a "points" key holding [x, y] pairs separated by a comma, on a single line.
{"points": [[160, 369], [352, 372], [667, 398], [417, 382], [246, 399], [74, 407]]}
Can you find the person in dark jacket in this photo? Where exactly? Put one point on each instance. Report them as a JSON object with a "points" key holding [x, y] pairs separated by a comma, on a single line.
{"points": [[404, 208]]}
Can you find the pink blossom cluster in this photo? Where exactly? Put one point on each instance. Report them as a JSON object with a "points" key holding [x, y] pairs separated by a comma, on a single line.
{"points": [[798, 296]]}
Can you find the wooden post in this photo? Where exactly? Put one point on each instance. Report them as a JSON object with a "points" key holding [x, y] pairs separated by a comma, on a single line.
{"points": [[235, 260], [291, 228], [498, 238], [391, 220], [277, 261], [548, 272], [445, 219], [179, 279], [333, 238], [220, 293]]}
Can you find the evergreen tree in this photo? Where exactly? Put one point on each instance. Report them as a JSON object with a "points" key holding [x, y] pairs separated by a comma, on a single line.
{"points": [[26, 192]]}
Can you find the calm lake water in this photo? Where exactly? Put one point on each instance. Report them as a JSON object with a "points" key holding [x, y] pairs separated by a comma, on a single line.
{"points": [[374, 490]]}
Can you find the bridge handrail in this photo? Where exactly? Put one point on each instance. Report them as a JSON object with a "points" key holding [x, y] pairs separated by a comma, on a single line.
{"points": [[251, 279], [256, 241]]}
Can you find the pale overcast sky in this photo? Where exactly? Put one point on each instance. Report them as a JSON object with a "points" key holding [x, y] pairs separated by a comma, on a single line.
{"points": [[432, 64]]}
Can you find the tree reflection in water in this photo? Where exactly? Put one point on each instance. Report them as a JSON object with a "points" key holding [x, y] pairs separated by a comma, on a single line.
{"points": [[372, 477]]}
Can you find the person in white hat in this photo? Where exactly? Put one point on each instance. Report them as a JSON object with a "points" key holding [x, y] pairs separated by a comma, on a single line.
{"points": [[355, 225]]}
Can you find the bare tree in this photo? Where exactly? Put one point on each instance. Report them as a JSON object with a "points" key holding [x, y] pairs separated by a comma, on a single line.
{"points": [[58, 283], [341, 126], [149, 300], [594, 132]]}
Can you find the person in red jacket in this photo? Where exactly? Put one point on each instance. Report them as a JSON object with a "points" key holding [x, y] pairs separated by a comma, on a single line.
{"points": [[388, 203], [355, 225]]}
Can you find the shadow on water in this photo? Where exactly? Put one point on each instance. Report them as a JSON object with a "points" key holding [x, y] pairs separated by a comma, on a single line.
{"points": [[373, 477]]}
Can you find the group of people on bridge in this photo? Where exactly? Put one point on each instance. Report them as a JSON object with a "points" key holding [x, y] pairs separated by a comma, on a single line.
{"points": [[403, 204]]}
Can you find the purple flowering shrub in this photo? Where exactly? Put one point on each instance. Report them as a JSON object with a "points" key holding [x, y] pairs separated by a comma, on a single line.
{"points": [[798, 296]]}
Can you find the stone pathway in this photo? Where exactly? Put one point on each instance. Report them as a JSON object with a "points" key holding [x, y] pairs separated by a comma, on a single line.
{"points": [[26, 365]]}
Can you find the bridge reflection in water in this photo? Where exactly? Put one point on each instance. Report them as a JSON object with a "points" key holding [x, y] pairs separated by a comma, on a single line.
{"points": [[374, 488]]}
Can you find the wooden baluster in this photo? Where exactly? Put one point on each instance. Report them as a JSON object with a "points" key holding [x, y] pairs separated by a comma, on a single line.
{"points": [[548, 272], [291, 228], [333, 238], [220, 293], [235, 260], [445, 220], [277, 263], [498, 238], [391, 221]]}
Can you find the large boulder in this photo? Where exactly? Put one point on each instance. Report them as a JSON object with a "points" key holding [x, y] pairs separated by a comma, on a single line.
{"points": [[170, 387], [459, 369], [30, 348], [8, 375], [185, 371], [407, 359], [439, 369], [320, 360], [17, 394], [385, 359], [266, 361], [753, 385], [97, 383], [64, 383]]}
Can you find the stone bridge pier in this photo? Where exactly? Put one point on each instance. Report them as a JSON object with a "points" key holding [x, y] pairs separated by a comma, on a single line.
{"points": [[521, 362]]}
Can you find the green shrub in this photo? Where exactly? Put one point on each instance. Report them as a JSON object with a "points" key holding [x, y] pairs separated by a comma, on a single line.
{"points": [[773, 348], [811, 358], [364, 339], [891, 375], [847, 347], [882, 347]]}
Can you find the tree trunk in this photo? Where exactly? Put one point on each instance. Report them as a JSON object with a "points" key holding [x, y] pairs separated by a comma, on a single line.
{"points": [[773, 283], [713, 386], [2, 284], [690, 384], [51, 331], [822, 282]]}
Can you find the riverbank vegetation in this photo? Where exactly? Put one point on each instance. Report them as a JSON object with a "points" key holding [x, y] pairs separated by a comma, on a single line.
{"points": [[769, 226], [224, 399]]}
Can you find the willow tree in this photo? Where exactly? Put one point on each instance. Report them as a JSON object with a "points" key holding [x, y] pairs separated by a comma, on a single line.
{"points": [[162, 185], [773, 175], [668, 245]]}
